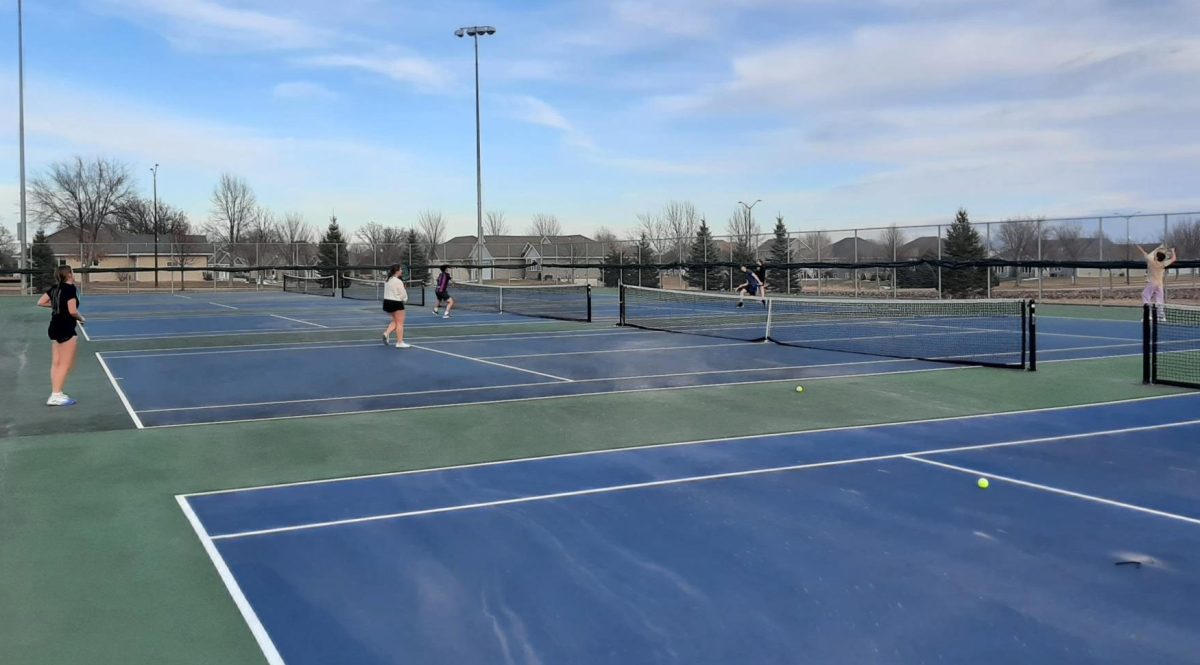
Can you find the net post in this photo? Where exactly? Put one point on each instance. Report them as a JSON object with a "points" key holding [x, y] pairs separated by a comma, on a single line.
{"points": [[770, 307], [1154, 343], [1032, 335], [1146, 355], [621, 306], [589, 302]]}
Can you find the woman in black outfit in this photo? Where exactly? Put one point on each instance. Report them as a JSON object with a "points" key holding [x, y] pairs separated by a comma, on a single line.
{"points": [[63, 301]]}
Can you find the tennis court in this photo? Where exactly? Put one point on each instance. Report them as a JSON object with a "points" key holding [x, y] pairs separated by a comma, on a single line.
{"points": [[262, 480]]}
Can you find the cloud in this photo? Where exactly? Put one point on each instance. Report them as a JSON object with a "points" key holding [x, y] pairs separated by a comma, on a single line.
{"points": [[418, 72], [209, 25], [303, 90], [534, 111]]}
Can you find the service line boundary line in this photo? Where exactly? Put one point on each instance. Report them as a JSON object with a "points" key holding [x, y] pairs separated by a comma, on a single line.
{"points": [[694, 442], [911, 455], [231, 585], [120, 393]]}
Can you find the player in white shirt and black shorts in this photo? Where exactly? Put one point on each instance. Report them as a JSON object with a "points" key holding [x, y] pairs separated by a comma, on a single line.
{"points": [[394, 297]]}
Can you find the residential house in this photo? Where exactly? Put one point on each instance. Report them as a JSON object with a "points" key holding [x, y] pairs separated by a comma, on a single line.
{"points": [[114, 248]]}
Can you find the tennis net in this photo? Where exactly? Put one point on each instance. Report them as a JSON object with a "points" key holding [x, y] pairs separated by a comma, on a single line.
{"points": [[369, 289], [313, 286], [567, 302], [999, 333], [1172, 345]]}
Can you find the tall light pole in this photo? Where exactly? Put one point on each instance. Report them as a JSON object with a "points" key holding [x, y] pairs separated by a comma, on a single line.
{"points": [[155, 172], [750, 217], [22, 232], [475, 32]]}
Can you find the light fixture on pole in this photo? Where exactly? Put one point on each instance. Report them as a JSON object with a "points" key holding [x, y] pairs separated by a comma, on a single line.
{"points": [[155, 222], [22, 228], [475, 32]]}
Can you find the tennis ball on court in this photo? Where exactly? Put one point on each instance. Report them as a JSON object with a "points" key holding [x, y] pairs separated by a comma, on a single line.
{"points": [[983, 483], [799, 389]]}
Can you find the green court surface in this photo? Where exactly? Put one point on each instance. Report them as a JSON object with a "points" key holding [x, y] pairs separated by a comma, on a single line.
{"points": [[99, 565]]}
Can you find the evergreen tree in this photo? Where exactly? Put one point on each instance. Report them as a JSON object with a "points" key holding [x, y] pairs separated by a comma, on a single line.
{"points": [[963, 243], [332, 251], [923, 276], [778, 278], [611, 272], [647, 274], [41, 259], [418, 261], [700, 273]]}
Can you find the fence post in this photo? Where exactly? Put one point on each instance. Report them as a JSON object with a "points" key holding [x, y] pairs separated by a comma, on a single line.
{"points": [[987, 254], [1041, 272], [1100, 272], [939, 244], [820, 270], [855, 263]]}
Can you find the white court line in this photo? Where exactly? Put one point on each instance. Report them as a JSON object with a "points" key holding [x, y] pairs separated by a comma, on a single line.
{"points": [[448, 339], [289, 331], [622, 350], [597, 393], [307, 323], [693, 442], [650, 389], [178, 295], [83, 331], [349, 397], [1053, 334], [120, 393], [225, 306], [235, 590], [522, 385], [489, 362], [715, 476], [918, 457]]}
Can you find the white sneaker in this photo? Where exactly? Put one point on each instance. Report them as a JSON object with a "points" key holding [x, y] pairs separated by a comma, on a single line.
{"points": [[385, 341], [436, 312], [446, 315], [403, 345], [59, 399]]}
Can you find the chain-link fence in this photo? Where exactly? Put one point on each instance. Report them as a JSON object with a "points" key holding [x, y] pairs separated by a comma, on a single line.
{"points": [[710, 263]]}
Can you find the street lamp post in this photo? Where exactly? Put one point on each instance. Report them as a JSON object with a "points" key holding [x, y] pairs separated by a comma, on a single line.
{"points": [[22, 231], [750, 214], [475, 32], [155, 172]]}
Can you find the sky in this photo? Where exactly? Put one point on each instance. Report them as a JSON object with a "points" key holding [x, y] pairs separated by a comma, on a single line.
{"points": [[835, 113]]}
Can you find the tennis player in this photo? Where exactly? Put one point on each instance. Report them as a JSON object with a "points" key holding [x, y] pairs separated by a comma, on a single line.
{"points": [[1157, 263], [63, 301], [751, 287], [394, 297], [761, 271], [441, 291]]}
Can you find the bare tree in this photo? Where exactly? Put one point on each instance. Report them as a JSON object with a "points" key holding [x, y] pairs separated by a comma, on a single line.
{"points": [[294, 229], [544, 225], [654, 230], [1070, 244], [745, 232], [1019, 240], [494, 223], [82, 196], [605, 237], [891, 240], [234, 206], [432, 227], [1184, 236], [8, 249]]}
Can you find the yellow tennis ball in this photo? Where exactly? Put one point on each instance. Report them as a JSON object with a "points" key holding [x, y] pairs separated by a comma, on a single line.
{"points": [[799, 389], [983, 483]]}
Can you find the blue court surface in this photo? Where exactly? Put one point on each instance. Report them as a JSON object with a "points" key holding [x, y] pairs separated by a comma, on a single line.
{"points": [[267, 377], [849, 545]]}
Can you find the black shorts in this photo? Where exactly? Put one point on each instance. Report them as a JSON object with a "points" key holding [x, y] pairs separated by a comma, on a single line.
{"points": [[442, 296], [61, 331], [390, 306]]}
